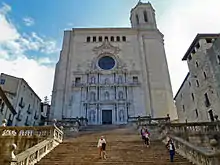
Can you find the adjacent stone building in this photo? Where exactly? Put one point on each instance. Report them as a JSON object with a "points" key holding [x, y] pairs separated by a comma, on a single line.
{"points": [[110, 74], [7, 111], [198, 97], [23, 99]]}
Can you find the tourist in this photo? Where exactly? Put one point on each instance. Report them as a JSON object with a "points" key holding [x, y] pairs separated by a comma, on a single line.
{"points": [[146, 138], [142, 132], [171, 149], [102, 147]]}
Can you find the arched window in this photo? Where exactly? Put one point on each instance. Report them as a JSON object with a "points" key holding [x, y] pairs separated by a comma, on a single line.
{"points": [[93, 80], [120, 79], [112, 38], [100, 38], [118, 38], [92, 96], [106, 95], [106, 38], [88, 39], [94, 38], [145, 16], [123, 38], [120, 95], [137, 19]]}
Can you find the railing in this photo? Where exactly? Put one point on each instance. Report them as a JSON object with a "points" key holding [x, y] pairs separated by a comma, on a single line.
{"points": [[203, 151], [194, 154], [196, 128], [29, 144]]}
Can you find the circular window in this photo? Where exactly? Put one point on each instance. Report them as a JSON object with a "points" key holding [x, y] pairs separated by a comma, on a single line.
{"points": [[106, 63]]}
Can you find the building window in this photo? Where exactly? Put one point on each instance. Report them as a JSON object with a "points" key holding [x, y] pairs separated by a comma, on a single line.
{"points": [[118, 38], [100, 38], [106, 63], [183, 108], [197, 114], [112, 38], [197, 83], [189, 83], [94, 38], [145, 16], [88, 39], [135, 79], [2, 106], [197, 46], [137, 19], [197, 64], [218, 59], [124, 38], [208, 40], [189, 57], [192, 96], [211, 115], [193, 51], [204, 75], [207, 102], [77, 81], [106, 38], [2, 81]]}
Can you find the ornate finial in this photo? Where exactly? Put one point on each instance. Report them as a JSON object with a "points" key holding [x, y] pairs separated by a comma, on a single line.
{"points": [[4, 123]]}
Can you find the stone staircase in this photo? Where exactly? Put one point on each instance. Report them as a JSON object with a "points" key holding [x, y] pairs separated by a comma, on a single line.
{"points": [[124, 146]]}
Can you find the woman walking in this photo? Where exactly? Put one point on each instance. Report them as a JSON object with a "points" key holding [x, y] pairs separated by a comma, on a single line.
{"points": [[102, 147]]}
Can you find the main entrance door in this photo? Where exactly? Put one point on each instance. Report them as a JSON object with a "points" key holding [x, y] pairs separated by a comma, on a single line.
{"points": [[106, 116]]}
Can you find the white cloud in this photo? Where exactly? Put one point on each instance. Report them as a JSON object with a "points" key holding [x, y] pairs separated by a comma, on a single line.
{"points": [[180, 24], [39, 77], [13, 47], [28, 21]]}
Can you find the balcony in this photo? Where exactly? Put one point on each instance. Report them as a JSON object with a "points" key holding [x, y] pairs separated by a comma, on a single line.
{"points": [[29, 111], [28, 123], [22, 105], [19, 117], [36, 116]]}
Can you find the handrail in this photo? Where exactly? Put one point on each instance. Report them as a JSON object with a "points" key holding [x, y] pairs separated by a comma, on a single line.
{"points": [[194, 154], [34, 154]]}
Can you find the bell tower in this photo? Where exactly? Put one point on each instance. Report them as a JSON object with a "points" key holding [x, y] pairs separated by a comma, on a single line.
{"points": [[143, 16]]}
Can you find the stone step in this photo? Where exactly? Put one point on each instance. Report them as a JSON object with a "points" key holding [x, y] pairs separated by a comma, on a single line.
{"points": [[123, 147]]}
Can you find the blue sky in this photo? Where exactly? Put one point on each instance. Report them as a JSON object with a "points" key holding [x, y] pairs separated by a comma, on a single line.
{"points": [[32, 31]]}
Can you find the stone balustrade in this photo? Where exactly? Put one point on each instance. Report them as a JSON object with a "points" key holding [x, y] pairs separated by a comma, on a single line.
{"points": [[32, 143], [196, 128], [195, 154]]}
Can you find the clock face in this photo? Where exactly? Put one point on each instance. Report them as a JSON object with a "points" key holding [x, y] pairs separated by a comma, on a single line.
{"points": [[106, 63]]}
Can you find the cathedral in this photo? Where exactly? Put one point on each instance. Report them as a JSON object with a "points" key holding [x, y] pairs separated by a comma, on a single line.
{"points": [[110, 74]]}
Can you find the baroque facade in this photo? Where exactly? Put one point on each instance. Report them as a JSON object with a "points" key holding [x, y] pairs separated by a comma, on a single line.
{"points": [[198, 97], [23, 100], [110, 74]]}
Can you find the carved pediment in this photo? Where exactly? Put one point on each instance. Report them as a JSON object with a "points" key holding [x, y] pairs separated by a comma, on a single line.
{"points": [[106, 47]]}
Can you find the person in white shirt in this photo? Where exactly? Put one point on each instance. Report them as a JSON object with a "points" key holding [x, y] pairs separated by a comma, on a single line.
{"points": [[102, 145]]}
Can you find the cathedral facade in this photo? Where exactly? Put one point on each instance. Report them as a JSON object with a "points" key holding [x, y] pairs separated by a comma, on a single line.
{"points": [[110, 74]]}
